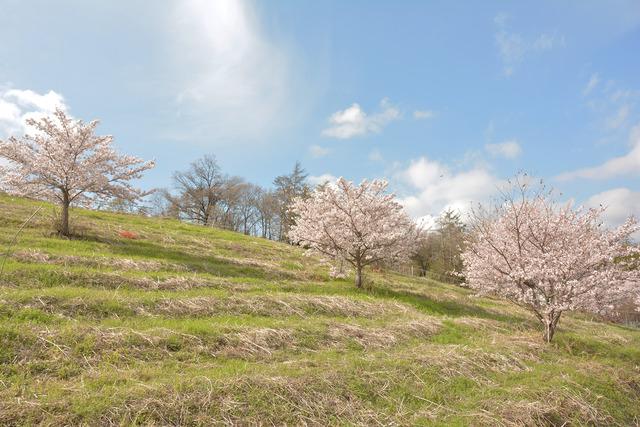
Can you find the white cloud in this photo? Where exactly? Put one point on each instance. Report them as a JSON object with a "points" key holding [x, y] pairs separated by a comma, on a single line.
{"points": [[16, 106], [490, 130], [230, 77], [375, 155], [622, 94], [353, 121], [423, 114], [318, 151], [612, 107], [619, 118], [321, 179], [501, 19], [547, 41], [620, 203], [427, 222], [591, 85], [434, 187], [513, 47], [627, 165], [10, 117], [508, 149]]}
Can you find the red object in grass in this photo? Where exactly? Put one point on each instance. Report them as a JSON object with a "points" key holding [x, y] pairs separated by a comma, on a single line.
{"points": [[128, 234]]}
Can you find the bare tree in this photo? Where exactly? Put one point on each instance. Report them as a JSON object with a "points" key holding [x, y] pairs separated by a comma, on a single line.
{"points": [[226, 212], [268, 207], [247, 210], [204, 195], [200, 188], [158, 204]]}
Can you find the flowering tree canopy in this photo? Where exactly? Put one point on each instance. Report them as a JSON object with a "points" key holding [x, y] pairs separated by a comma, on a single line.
{"points": [[358, 224], [64, 161], [550, 258]]}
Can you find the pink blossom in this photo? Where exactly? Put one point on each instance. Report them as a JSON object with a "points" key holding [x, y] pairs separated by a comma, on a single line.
{"points": [[361, 224], [550, 258], [64, 161]]}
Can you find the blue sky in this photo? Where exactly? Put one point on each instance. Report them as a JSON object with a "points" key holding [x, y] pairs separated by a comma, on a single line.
{"points": [[444, 99]]}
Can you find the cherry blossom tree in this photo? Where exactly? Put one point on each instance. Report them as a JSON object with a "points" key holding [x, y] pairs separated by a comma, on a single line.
{"points": [[361, 224], [62, 160], [550, 258]]}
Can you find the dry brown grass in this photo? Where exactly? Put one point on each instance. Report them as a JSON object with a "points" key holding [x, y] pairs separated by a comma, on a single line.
{"points": [[551, 409], [385, 336], [116, 280], [197, 326], [258, 342], [273, 305], [303, 401], [89, 346], [34, 256], [456, 360]]}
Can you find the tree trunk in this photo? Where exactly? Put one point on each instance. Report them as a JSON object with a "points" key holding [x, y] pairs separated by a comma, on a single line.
{"points": [[64, 219], [359, 277], [550, 324]]}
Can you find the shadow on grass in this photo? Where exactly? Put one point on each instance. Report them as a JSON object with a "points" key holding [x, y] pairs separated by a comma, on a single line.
{"points": [[193, 262], [578, 345], [443, 307]]}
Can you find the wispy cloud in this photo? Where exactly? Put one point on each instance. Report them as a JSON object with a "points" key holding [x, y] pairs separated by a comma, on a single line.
{"points": [[501, 19], [423, 114], [513, 47], [230, 77], [612, 106], [627, 165], [375, 155], [508, 149], [591, 84], [318, 151], [619, 118], [547, 41], [353, 121]]}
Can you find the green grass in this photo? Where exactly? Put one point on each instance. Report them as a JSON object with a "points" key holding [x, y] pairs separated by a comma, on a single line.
{"points": [[190, 325]]}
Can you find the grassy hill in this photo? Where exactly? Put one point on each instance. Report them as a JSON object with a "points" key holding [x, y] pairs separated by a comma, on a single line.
{"points": [[198, 326]]}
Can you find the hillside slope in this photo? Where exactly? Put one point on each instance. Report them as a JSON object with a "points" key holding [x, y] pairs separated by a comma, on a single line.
{"points": [[189, 325]]}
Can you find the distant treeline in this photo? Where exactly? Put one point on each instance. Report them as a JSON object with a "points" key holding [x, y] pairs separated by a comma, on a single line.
{"points": [[203, 194]]}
